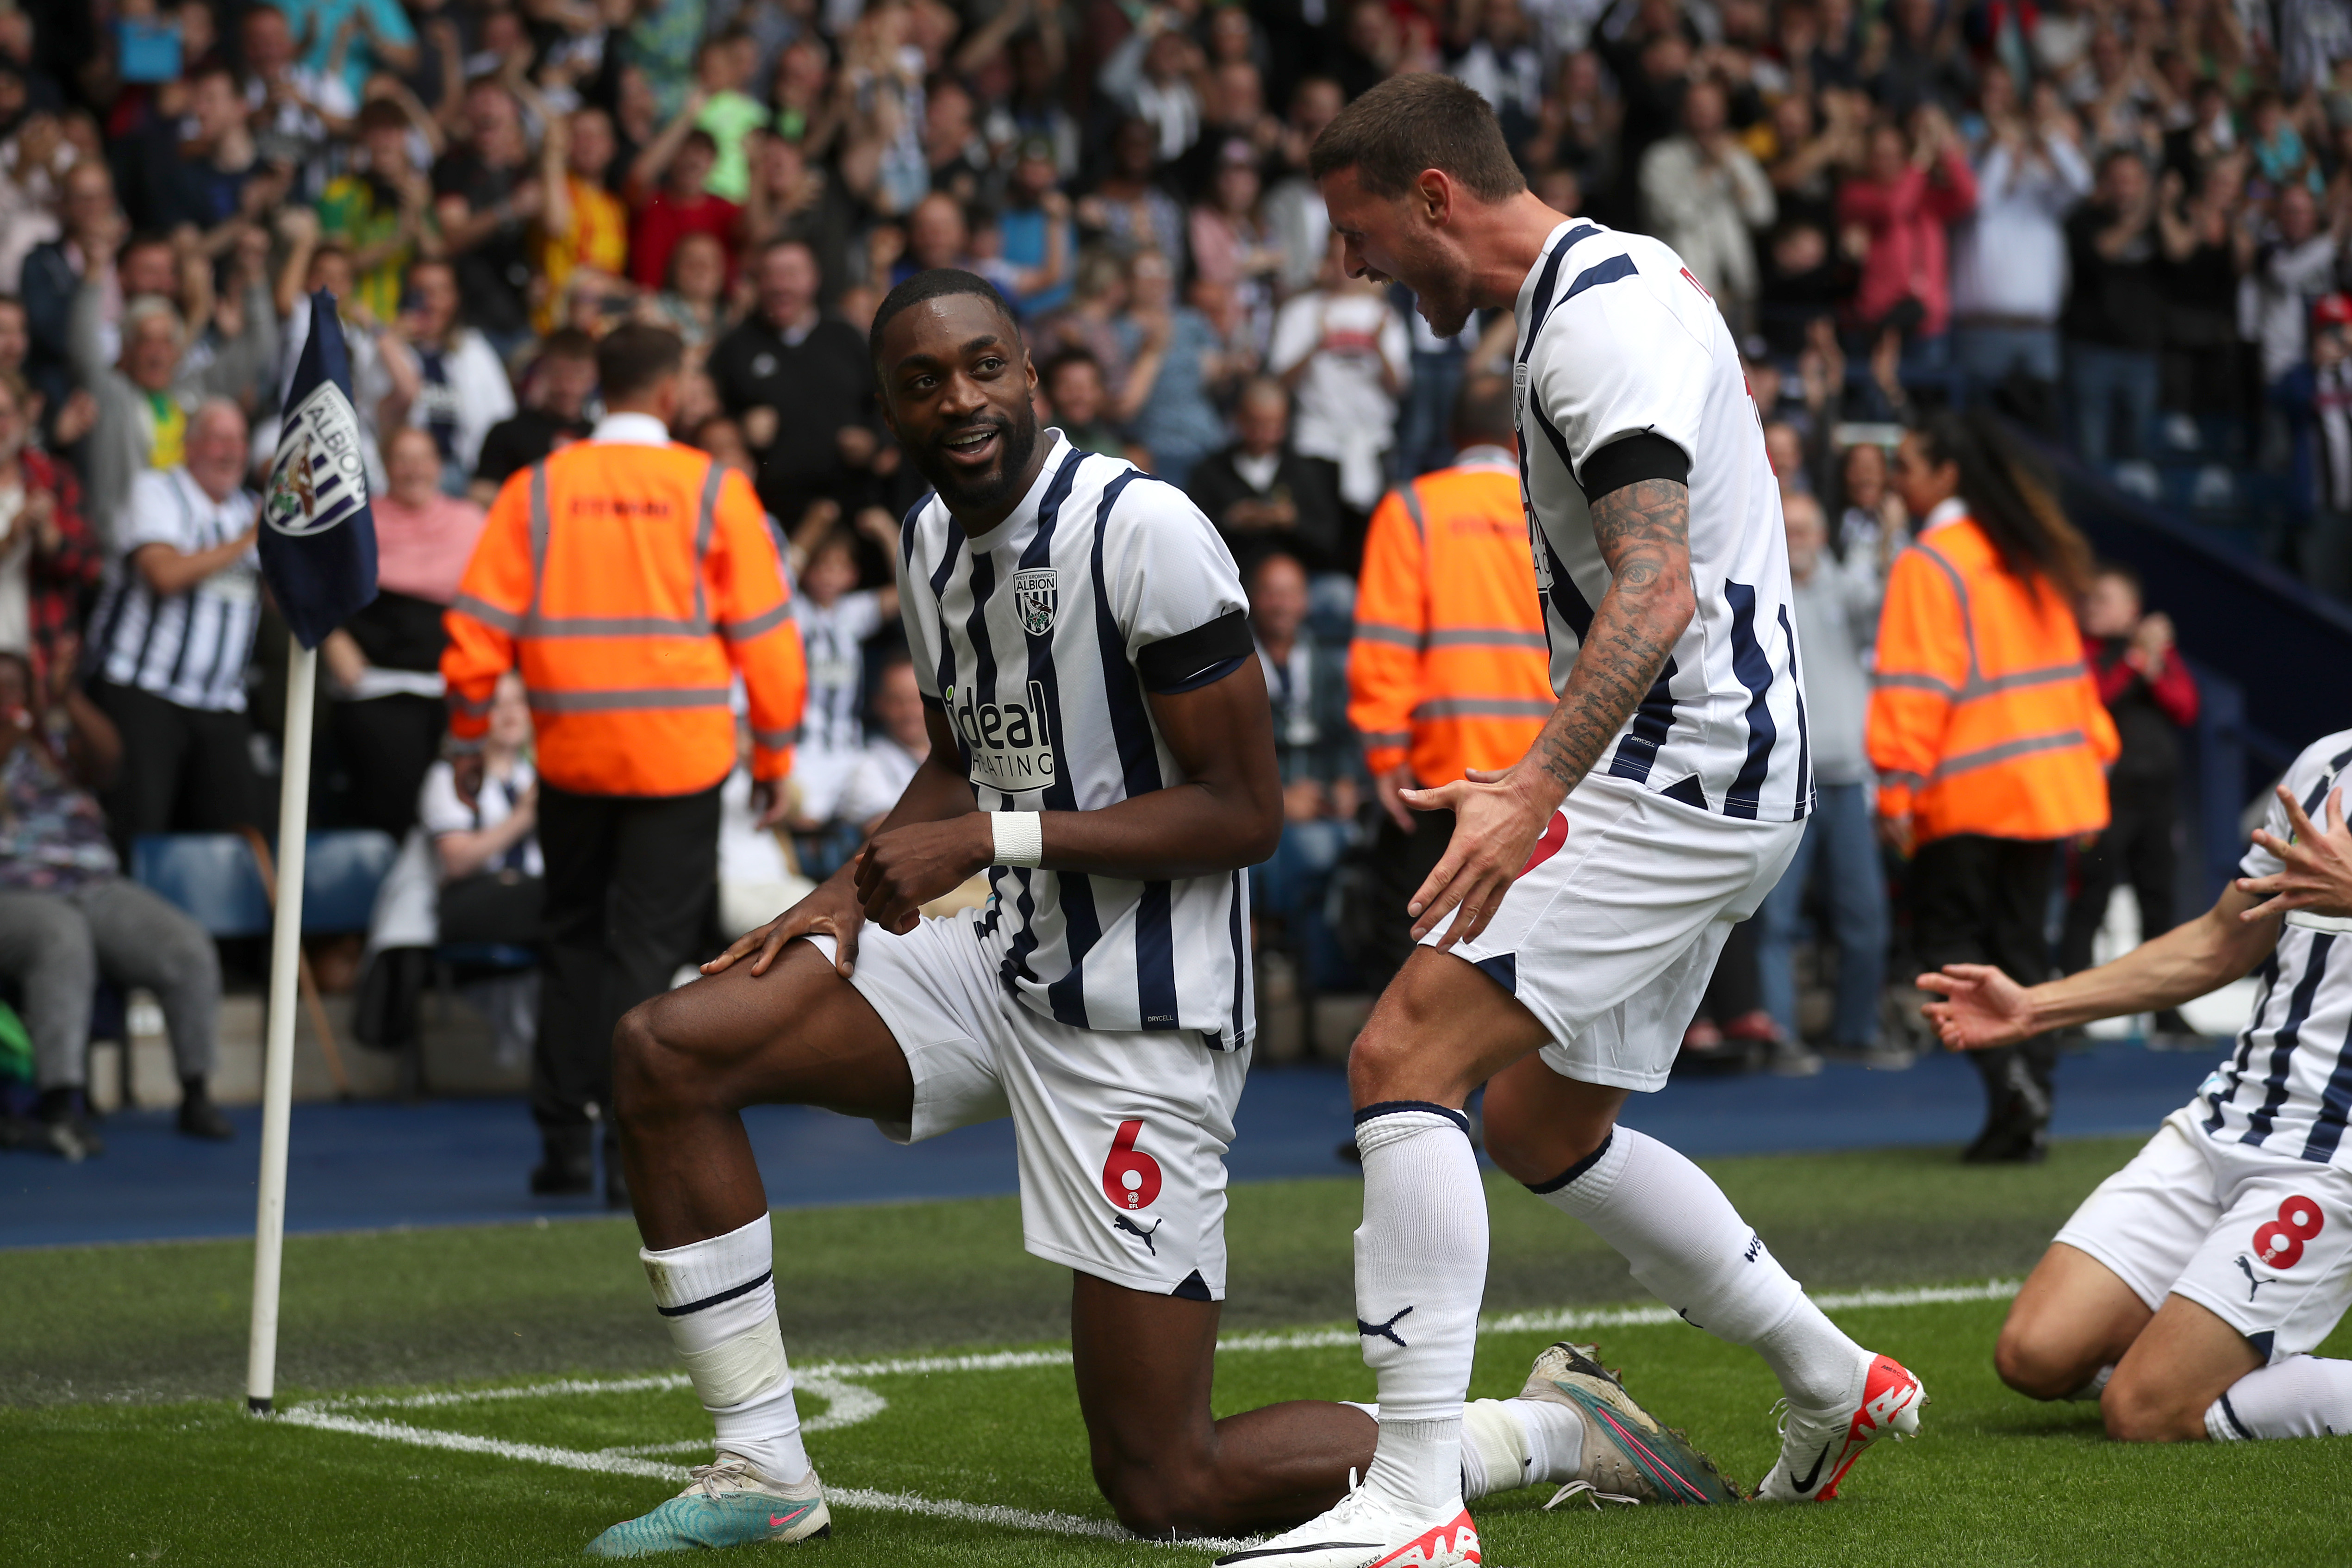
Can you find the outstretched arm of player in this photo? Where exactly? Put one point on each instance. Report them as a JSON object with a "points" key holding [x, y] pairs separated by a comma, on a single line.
{"points": [[1982, 1007], [1227, 813], [1643, 531], [2318, 866], [937, 795]]}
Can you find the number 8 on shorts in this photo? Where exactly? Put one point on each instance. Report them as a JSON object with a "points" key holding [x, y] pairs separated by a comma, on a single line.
{"points": [[2279, 1242]]}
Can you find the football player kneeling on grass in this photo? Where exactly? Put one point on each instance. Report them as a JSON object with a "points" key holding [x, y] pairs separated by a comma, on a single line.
{"points": [[2185, 1294]]}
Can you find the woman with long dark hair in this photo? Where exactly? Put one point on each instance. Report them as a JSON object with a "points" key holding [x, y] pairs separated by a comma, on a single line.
{"points": [[1988, 735]]}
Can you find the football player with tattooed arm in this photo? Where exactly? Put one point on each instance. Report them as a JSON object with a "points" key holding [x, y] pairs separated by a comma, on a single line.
{"points": [[2187, 1291], [1570, 927]]}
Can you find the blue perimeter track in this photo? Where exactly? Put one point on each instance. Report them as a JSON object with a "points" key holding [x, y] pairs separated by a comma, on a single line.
{"points": [[381, 1165]]}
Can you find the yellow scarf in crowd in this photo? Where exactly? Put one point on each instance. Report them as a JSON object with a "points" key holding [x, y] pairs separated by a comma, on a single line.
{"points": [[171, 422]]}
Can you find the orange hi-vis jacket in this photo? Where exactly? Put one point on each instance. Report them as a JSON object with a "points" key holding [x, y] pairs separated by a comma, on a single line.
{"points": [[629, 582], [1449, 668], [1983, 718]]}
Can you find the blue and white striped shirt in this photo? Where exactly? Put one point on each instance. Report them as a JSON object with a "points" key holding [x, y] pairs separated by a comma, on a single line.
{"points": [[1041, 639], [2287, 1086], [1616, 340]]}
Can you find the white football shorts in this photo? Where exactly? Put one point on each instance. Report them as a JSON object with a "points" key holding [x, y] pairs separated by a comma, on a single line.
{"points": [[2263, 1241], [1121, 1136], [1610, 935]]}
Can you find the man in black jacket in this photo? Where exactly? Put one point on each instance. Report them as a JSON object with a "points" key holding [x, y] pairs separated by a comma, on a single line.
{"points": [[799, 382], [1262, 495]]}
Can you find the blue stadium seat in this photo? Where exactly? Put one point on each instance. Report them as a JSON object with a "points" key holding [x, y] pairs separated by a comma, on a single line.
{"points": [[340, 873], [214, 878], [210, 876]]}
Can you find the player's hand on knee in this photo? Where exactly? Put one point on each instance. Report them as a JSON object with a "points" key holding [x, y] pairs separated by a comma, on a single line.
{"points": [[1495, 827], [1982, 1007], [2318, 866], [830, 910], [906, 868]]}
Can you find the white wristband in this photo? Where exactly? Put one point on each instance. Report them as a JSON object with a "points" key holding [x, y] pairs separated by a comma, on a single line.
{"points": [[1020, 837]]}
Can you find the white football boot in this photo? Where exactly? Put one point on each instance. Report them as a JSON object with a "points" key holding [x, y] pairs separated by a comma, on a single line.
{"points": [[1818, 1447], [1367, 1530]]}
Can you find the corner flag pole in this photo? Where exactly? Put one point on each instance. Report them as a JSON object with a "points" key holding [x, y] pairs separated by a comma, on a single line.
{"points": [[317, 546], [278, 1061]]}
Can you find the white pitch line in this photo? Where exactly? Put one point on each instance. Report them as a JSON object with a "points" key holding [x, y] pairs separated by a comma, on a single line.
{"points": [[849, 1403], [606, 1462], [1557, 1321]]}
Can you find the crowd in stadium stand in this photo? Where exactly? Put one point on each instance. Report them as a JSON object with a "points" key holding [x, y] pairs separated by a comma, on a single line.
{"points": [[2121, 223]]}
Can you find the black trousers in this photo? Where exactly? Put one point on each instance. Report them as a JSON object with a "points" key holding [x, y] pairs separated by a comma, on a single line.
{"points": [[630, 879], [1979, 900], [2137, 848], [388, 745], [1401, 861], [183, 770]]}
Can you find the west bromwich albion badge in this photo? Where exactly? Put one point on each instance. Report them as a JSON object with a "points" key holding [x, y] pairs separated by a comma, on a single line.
{"points": [[1033, 594], [318, 477]]}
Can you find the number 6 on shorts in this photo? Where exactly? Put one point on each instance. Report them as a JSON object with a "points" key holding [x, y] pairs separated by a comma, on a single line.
{"points": [[1130, 1178]]}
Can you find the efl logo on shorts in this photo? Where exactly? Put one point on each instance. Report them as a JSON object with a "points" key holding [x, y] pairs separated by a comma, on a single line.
{"points": [[2279, 1242], [1130, 1178]]}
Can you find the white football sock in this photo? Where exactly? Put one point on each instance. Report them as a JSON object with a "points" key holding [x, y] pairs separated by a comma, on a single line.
{"points": [[1421, 1269], [2302, 1397], [719, 1298], [1493, 1451], [1554, 1435], [1688, 1246]]}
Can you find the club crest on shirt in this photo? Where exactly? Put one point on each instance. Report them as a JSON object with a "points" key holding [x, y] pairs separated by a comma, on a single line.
{"points": [[1035, 594]]}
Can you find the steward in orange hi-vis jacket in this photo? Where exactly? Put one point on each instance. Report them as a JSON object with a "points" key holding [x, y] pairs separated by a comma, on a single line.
{"points": [[1983, 717], [1988, 736], [1449, 669], [629, 580]]}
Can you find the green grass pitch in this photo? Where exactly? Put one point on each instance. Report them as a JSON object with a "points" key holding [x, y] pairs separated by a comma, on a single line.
{"points": [[498, 1395]]}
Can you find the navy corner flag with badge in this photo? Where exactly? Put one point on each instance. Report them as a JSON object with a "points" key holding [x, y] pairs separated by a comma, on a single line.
{"points": [[318, 536]]}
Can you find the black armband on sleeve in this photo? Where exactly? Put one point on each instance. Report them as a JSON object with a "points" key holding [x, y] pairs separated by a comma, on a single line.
{"points": [[1190, 660], [1629, 461]]}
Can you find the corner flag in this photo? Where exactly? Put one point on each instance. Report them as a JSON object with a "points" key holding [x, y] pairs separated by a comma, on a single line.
{"points": [[318, 536], [318, 552]]}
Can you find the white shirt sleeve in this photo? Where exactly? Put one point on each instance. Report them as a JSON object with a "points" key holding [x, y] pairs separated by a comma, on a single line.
{"points": [[1616, 360], [438, 810], [1172, 573], [1298, 330], [860, 614], [159, 515], [916, 612]]}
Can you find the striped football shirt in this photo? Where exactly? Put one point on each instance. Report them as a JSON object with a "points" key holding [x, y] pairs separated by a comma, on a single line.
{"points": [[1616, 340], [2287, 1085], [1041, 639]]}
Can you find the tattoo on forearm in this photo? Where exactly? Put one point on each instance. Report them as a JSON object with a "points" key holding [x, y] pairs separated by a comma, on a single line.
{"points": [[1643, 530]]}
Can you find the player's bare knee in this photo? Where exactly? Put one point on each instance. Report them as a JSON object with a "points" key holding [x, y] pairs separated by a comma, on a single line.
{"points": [[650, 1074], [2037, 1366], [1158, 1499]]}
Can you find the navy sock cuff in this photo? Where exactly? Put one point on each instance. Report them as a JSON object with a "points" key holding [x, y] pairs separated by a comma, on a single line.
{"points": [[1390, 1107], [1544, 1188]]}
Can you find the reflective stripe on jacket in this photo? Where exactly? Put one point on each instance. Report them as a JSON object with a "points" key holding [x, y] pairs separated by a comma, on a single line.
{"points": [[629, 583], [1449, 667], [1983, 718]]}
